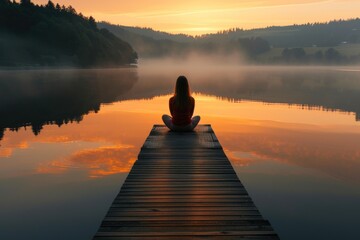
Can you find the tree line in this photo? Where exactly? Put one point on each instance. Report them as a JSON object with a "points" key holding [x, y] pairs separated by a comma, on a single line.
{"points": [[148, 44], [326, 56], [320, 34], [251, 44], [52, 35], [326, 34]]}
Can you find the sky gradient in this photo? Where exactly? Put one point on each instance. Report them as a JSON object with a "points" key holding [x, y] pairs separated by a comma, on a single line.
{"points": [[208, 16]]}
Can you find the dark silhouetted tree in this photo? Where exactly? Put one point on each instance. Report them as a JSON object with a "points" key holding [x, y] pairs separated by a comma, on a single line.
{"points": [[92, 22], [26, 2], [332, 55], [50, 5]]}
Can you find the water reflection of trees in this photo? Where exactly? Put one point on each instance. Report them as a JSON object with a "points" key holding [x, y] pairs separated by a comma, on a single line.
{"points": [[37, 98], [323, 89], [309, 88]]}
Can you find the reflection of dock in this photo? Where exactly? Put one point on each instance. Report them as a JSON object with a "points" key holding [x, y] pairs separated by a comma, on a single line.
{"points": [[183, 187]]}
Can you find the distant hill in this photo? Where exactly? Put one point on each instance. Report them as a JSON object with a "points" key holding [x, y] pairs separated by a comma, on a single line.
{"points": [[158, 35], [54, 35], [329, 34], [147, 42], [151, 43], [323, 42]]}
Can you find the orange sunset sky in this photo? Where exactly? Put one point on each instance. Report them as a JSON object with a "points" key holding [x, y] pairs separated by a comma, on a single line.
{"points": [[206, 16]]}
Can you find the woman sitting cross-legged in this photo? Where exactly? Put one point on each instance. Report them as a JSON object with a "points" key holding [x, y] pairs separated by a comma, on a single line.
{"points": [[181, 106]]}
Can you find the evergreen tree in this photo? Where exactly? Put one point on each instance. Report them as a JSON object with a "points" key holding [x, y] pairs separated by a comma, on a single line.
{"points": [[26, 2], [52, 35], [50, 5]]}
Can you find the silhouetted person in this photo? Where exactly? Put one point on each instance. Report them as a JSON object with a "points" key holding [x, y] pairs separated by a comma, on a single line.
{"points": [[181, 106]]}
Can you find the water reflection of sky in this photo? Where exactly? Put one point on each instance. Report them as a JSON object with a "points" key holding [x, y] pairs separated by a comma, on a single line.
{"points": [[300, 165]]}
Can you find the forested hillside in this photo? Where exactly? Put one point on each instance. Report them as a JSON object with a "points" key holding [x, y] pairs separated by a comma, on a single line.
{"points": [[150, 43], [334, 42], [54, 35], [328, 34]]}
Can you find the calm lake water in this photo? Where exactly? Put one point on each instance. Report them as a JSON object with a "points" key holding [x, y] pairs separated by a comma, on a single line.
{"points": [[69, 138]]}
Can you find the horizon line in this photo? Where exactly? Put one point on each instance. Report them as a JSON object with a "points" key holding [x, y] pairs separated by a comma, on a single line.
{"points": [[231, 28]]}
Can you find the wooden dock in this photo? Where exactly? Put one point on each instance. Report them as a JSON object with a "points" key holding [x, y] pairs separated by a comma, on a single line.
{"points": [[183, 187]]}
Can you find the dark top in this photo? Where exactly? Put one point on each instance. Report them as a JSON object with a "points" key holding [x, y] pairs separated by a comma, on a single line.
{"points": [[181, 117]]}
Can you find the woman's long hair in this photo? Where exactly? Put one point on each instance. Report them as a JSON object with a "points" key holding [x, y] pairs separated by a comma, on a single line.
{"points": [[182, 93]]}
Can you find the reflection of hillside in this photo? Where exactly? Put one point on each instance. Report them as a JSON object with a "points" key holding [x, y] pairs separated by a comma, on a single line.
{"points": [[322, 88], [37, 98]]}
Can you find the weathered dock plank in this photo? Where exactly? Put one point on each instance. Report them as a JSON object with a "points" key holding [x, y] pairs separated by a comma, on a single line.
{"points": [[183, 187]]}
